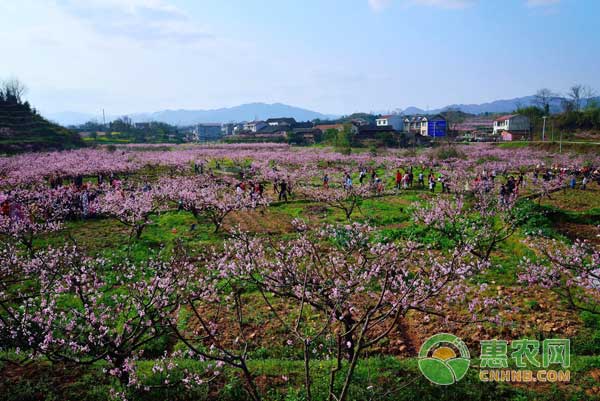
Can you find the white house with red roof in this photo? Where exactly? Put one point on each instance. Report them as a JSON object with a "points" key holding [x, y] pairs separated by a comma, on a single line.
{"points": [[512, 127]]}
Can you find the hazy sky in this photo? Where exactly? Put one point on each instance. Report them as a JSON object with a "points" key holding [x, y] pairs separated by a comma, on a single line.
{"points": [[333, 56]]}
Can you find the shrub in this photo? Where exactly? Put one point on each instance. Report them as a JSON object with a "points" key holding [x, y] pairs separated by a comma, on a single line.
{"points": [[449, 152]]}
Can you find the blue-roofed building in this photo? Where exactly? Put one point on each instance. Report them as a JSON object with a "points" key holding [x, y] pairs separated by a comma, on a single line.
{"points": [[432, 126], [436, 126]]}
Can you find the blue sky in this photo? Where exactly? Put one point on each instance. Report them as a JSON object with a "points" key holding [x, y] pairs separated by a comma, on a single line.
{"points": [[333, 56]]}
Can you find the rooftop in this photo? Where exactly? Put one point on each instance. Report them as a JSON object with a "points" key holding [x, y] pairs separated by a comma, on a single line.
{"points": [[506, 117], [286, 120]]}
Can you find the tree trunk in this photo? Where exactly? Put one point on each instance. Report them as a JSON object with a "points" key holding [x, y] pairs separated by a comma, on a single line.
{"points": [[336, 369], [348, 338], [138, 231], [307, 380], [252, 389]]}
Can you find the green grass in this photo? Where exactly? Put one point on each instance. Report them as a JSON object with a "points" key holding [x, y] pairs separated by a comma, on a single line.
{"points": [[513, 145], [376, 378], [105, 140], [109, 237]]}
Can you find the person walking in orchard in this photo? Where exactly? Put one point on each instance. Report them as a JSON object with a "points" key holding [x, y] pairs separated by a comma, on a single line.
{"points": [[521, 180], [398, 179], [326, 181], [283, 190], [444, 184], [261, 189], [378, 185], [504, 194], [404, 181], [348, 182], [511, 185], [431, 182]]}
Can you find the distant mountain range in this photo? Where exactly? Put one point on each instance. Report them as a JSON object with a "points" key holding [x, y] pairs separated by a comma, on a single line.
{"points": [[262, 111], [497, 106], [244, 112], [67, 118]]}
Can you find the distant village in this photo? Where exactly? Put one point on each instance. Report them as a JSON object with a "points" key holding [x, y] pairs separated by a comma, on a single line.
{"points": [[404, 130], [392, 130]]}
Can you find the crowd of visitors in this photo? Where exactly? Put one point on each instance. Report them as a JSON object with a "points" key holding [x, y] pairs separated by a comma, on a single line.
{"points": [[84, 191]]}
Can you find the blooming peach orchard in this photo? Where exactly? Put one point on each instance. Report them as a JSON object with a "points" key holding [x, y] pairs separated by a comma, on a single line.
{"points": [[335, 287]]}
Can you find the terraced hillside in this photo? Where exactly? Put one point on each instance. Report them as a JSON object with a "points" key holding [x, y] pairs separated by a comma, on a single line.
{"points": [[23, 129]]}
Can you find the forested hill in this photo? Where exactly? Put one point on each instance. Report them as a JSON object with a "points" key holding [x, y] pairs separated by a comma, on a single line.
{"points": [[23, 129]]}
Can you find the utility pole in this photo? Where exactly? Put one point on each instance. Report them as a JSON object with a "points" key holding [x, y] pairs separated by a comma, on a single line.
{"points": [[544, 129], [560, 146]]}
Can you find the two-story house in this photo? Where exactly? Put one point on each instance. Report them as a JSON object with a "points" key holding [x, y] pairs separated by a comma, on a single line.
{"points": [[207, 132], [512, 127], [432, 126], [394, 120], [227, 129], [254, 126]]}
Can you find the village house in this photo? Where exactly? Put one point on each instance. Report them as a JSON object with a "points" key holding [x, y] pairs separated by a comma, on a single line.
{"points": [[432, 126], [359, 121], [238, 128], [394, 120], [207, 132], [308, 135], [325, 127], [227, 129], [279, 122], [272, 131], [412, 124], [372, 132], [306, 124], [475, 129], [512, 127], [254, 126]]}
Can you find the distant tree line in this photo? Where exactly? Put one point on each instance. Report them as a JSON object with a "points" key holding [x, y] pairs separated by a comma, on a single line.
{"points": [[366, 117], [579, 109], [123, 129]]}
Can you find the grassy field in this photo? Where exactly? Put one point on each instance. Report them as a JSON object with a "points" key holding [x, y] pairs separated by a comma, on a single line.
{"points": [[377, 378]]}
